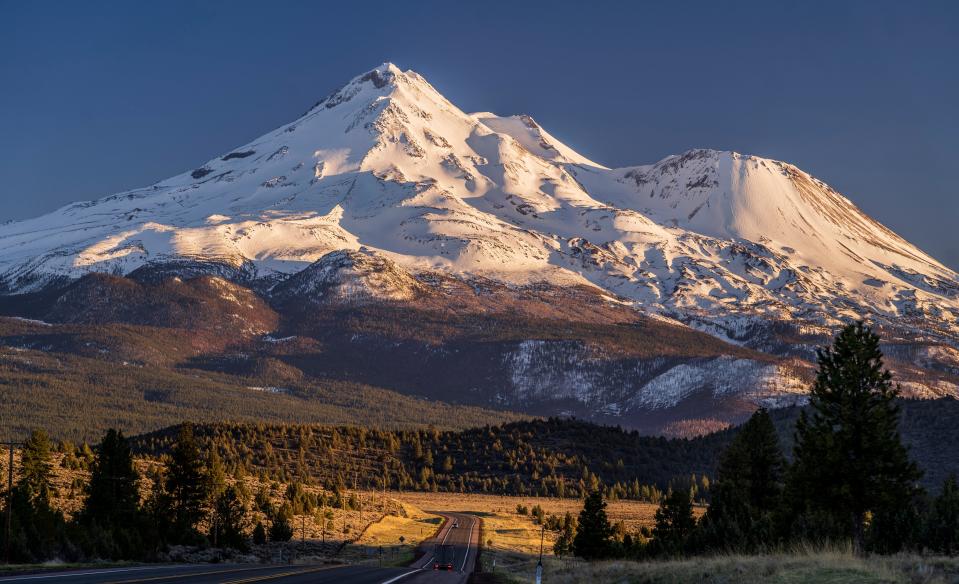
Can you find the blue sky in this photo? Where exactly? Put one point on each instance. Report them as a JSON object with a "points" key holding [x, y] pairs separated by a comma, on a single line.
{"points": [[98, 97]]}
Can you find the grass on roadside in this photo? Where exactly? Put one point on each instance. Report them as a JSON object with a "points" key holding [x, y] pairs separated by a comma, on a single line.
{"points": [[801, 566], [381, 541]]}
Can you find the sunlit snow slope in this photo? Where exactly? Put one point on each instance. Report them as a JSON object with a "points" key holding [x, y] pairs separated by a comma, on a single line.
{"points": [[719, 240]]}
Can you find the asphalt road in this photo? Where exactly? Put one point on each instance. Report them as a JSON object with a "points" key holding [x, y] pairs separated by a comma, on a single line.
{"points": [[464, 540]]}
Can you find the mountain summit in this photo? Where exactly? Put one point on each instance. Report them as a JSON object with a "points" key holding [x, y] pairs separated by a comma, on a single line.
{"points": [[386, 172], [388, 164]]}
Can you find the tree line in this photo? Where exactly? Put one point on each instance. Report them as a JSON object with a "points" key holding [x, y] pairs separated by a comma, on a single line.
{"points": [[189, 503], [850, 479], [546, 457]]}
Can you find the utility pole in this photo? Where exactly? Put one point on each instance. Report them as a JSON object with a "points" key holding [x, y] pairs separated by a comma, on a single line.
{"points": [[6, 540], [539, 565], [303, 529]]}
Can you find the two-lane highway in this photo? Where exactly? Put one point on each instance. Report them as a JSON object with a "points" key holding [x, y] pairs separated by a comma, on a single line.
{"points": [[464, 540]]}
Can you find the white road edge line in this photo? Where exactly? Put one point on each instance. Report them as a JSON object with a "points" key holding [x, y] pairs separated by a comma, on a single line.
{"points": [[400, 577], [104, 571], [469, 540]]}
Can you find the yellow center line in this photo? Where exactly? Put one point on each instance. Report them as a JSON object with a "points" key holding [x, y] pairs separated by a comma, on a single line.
{"points": [[194, 574]]}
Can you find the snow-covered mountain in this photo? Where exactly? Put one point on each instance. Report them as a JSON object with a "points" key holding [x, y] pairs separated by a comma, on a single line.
{"points": [[735, 245]]}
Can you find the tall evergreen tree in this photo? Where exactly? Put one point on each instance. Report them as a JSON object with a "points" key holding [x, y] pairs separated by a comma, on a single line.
{"points": [[113, 495], [36, 469], [748, 489], [674, 523], [942, 523], [38, 529], [228, 521], [567, 533], [849, 459], [215, 475], [593, 533], [111, 513], [187, 487]]}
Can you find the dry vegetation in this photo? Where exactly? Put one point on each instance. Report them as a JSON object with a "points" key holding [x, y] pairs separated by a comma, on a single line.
{"points": [[392, 540], [796, 567], [512, 539], [348, 533]]}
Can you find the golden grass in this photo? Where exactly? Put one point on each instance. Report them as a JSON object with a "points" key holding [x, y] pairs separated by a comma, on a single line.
{"points": [[513, 540], [803, 566], [633, 513], [408, 522]]}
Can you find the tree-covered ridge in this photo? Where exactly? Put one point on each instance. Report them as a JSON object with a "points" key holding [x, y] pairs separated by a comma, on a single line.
{"points": [[548, 457], [541, 456]]}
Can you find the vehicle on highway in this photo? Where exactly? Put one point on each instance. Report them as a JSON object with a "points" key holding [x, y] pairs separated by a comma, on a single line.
{"points": [[443, 557], [455, 524]]}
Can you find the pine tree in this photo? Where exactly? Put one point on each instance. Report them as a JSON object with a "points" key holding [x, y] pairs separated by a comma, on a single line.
{"points": [[186, 487], [942, 523], [215, 475], [36, 469], [259, 533], [37, 529], [113, 496], [674, 523], [111, 513], [748, 489], [228, 521], [849, 460], [593, 533], [281, 529]]}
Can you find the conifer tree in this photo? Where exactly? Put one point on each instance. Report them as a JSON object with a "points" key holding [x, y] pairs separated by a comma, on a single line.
{"points": [[37, 529], [215, 475], [674, 523], [281, 529], [942, 523], [111, 513], [849, 459], [186, 487], [748, 489], [228, 521], [593, 533], [113, 496], [259, 533], [36, 469]]}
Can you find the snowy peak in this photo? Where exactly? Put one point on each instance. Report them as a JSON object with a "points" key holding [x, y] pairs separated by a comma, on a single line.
{"points": [[388, 165], [380, 77], [735, 196]]}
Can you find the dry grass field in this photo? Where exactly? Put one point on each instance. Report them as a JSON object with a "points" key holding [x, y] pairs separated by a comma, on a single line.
{"points": [[633, 513], [392, 540], [512, 540]]}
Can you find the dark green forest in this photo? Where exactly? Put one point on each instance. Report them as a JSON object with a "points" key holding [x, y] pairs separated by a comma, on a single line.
{"points": [[548, 457]]}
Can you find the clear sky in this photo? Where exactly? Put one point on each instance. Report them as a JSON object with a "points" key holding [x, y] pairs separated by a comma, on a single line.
{"points": [[99, 97]]}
